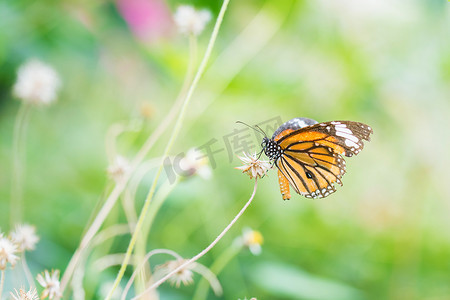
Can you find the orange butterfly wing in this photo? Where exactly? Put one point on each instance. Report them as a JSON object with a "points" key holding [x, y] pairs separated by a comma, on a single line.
{"points": [[311, 158]]}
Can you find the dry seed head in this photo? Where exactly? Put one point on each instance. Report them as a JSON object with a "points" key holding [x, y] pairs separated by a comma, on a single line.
{"points": [[25, 237], [191, 21], [7, 252], [50, 282], [253, 167], [182, 276], [37, 83], [22, 295]]}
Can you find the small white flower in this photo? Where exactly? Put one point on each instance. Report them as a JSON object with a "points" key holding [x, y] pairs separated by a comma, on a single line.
{"points": [[191, 21], [7, 250], [182, 276], [120, 166], [22, 295], [185, 275], [253, 239], [25, 237], [254, 167], [195, 162], [37, 83], [50, 283]]}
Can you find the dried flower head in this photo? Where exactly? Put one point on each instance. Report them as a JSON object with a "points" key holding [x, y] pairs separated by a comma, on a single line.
{"points": [[22, 295], [7, 250], [252, 239], [195, 163], [25, 237], [119, 167], [253, 167], [191, 21], [37, 83], [182, 276], [50, 283]]}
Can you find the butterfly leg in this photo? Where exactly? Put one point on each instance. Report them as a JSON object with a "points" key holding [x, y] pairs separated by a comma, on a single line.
{"points": [[284, 186]]}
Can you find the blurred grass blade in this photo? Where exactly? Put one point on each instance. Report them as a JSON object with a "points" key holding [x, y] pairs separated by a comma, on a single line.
{"points": [[287, 281]]}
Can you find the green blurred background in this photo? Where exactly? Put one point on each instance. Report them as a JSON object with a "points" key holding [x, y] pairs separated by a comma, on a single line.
{"points": [[383, 235]]}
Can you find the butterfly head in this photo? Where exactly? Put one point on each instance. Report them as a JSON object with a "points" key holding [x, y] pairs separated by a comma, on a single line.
{"points": [[271, 148]]}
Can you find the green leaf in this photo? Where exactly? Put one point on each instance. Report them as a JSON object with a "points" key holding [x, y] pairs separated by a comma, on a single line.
{"points": [[287, 281]]}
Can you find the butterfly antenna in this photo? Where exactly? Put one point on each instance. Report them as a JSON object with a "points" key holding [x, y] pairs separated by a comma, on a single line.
{"points": [[262, 131], [256, 128]]}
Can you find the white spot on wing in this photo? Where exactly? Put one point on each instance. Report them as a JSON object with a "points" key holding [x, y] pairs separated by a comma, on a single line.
{"points": [[351, 143], [343, 129], [347, 136], [301, 123]]}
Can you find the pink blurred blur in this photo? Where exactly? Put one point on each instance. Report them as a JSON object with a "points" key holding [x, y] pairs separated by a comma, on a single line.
{"points": [[149, 20]]}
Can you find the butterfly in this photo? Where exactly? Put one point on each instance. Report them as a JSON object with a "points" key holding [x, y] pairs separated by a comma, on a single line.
{"points": [[308, 154]]}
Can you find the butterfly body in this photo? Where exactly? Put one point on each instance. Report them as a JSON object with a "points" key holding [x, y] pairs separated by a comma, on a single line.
{"points": [[308, 154]]}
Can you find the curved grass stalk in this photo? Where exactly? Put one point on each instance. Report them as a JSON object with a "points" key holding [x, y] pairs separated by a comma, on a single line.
{"points": [[108, 261], [128, 203], [110, 232], [114, 131], [206, 250], [143, 263], [78, 292], [173, 136], [217, 266], [129, 196], [208, 276], [120, 186], [160, 197], [27, 271], [230, 62], [102, 236]]}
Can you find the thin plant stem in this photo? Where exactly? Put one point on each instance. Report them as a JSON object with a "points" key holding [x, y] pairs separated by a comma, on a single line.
{"points": [[27, 271], [224, 258], [110, 232], [172, 139], [101, 237], [129, 209], [142, 264], [18, 168], [78, 292], [113, 133], [206, 250], [110, 141], [191, 65], [208, 276], [2, 281], [242, 50], [93, 229], [108, 261], [156, 204], [129, 196], [120, 186]]}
